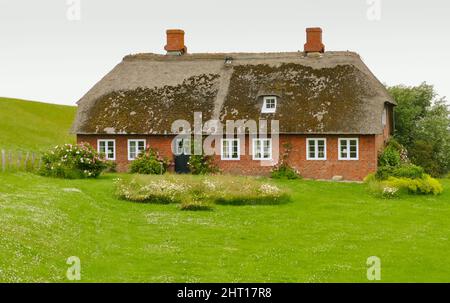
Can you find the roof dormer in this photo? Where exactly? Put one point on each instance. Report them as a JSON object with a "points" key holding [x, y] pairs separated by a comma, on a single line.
{"points": [[269, 105]]}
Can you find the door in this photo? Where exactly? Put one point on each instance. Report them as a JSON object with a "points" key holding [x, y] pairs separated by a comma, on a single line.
{"points": [[182, 155]]}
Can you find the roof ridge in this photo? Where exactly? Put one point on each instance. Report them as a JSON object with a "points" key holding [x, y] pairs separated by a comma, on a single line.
{"points": [[234, 55]]}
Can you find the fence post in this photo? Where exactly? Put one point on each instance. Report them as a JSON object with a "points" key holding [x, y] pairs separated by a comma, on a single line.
{"points": [[27, 158], [3, 160], [33, 159], [19, 159], [9, 162]]}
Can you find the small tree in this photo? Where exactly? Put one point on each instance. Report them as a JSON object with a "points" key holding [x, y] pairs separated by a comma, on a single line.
{"points": [[422, 125]]}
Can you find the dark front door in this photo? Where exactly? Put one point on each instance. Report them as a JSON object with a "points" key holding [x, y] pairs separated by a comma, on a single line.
{"points": [[181, 164], [182, 149]]}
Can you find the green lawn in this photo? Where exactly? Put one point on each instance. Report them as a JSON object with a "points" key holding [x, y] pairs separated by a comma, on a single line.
{"points": [[34, 126], [325, 234]]}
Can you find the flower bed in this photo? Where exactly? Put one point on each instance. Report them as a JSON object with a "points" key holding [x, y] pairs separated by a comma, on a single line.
{"points": [[200, 192]]}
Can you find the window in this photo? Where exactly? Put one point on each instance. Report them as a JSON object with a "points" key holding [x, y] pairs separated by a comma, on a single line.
{"points": [[108, 148], [316, 149], [182, 146], [230, 149], [269, 105], [135, 147], [262, 149], [348, 148], [384, 117]]}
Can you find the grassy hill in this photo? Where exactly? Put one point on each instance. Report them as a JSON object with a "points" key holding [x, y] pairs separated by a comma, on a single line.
{"points": [[34, 126]]}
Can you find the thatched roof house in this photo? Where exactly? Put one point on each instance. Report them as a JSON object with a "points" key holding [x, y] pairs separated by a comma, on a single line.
{"points": [[317, 92]]}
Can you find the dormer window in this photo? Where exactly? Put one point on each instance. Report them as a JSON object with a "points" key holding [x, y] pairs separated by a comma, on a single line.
{"points": [[269, 105]]}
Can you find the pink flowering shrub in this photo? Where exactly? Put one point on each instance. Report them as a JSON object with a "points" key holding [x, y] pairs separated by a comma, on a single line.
{"points": [[72, 162], [149, 162]]}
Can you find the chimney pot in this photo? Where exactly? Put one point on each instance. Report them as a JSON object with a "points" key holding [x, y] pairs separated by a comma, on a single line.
{"points": [[175, 42], [314, 40]]}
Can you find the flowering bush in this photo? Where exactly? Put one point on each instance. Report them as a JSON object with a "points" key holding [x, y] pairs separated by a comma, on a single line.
{"points": [[424, 185], [162, 191], [198, 192], [250, 192], [269, 189], [149, 163], [283, 170], [390, 157], [389, 192], [72, 162], [392, 186]]}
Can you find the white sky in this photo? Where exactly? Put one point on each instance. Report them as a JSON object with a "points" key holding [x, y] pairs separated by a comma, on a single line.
{"points": [[46, 57]]}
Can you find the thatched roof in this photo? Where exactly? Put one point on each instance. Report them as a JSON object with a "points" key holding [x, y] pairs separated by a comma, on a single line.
{"points": [[334, 93]]}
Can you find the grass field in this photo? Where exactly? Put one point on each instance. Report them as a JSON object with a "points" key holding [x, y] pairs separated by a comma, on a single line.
{"points": [[34, 126], [325, 234]]}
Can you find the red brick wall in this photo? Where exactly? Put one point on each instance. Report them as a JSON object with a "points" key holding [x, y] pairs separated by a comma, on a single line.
{"points": [[317, 169], [381, 139], [160, 143]]}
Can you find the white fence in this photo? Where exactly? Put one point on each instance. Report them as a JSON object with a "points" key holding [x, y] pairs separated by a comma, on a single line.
{"points": [[20, 161]]}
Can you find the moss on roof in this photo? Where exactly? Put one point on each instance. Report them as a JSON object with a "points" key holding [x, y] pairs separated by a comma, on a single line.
{"points": [[152, 110], [331, 93], [309, 100]]}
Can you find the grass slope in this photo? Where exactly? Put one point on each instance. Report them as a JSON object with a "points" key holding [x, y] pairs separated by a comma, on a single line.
{"points": [[34, 126], [326, 234]]}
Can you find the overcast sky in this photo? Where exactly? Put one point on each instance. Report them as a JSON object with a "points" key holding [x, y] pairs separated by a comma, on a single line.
{"points": [[46, 54]]}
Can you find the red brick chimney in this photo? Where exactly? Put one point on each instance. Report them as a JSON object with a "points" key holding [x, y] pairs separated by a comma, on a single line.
{"points": [[175, 42], [314, 40]]}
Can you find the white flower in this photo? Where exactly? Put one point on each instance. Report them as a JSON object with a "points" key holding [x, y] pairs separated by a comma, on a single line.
{"points": [[389, 191], [269, 189], [209, 184]]}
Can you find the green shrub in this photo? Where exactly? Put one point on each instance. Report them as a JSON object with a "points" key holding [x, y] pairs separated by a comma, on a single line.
{"points": [[284, 171], [384, 172], [403, 171], [149, 163], [391, 185], [389, 157], [426, 155], [408, 171], [424, 185], [202, 165], [393, 143], [72, 162]]}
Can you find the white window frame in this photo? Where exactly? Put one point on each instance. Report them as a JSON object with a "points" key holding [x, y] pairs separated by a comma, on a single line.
{"points": [[137, 145], [230, 149], [106, 148], [316, 149], [183, 149], [384, 117], [348, 158], [265, 109], [262, 145]]}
